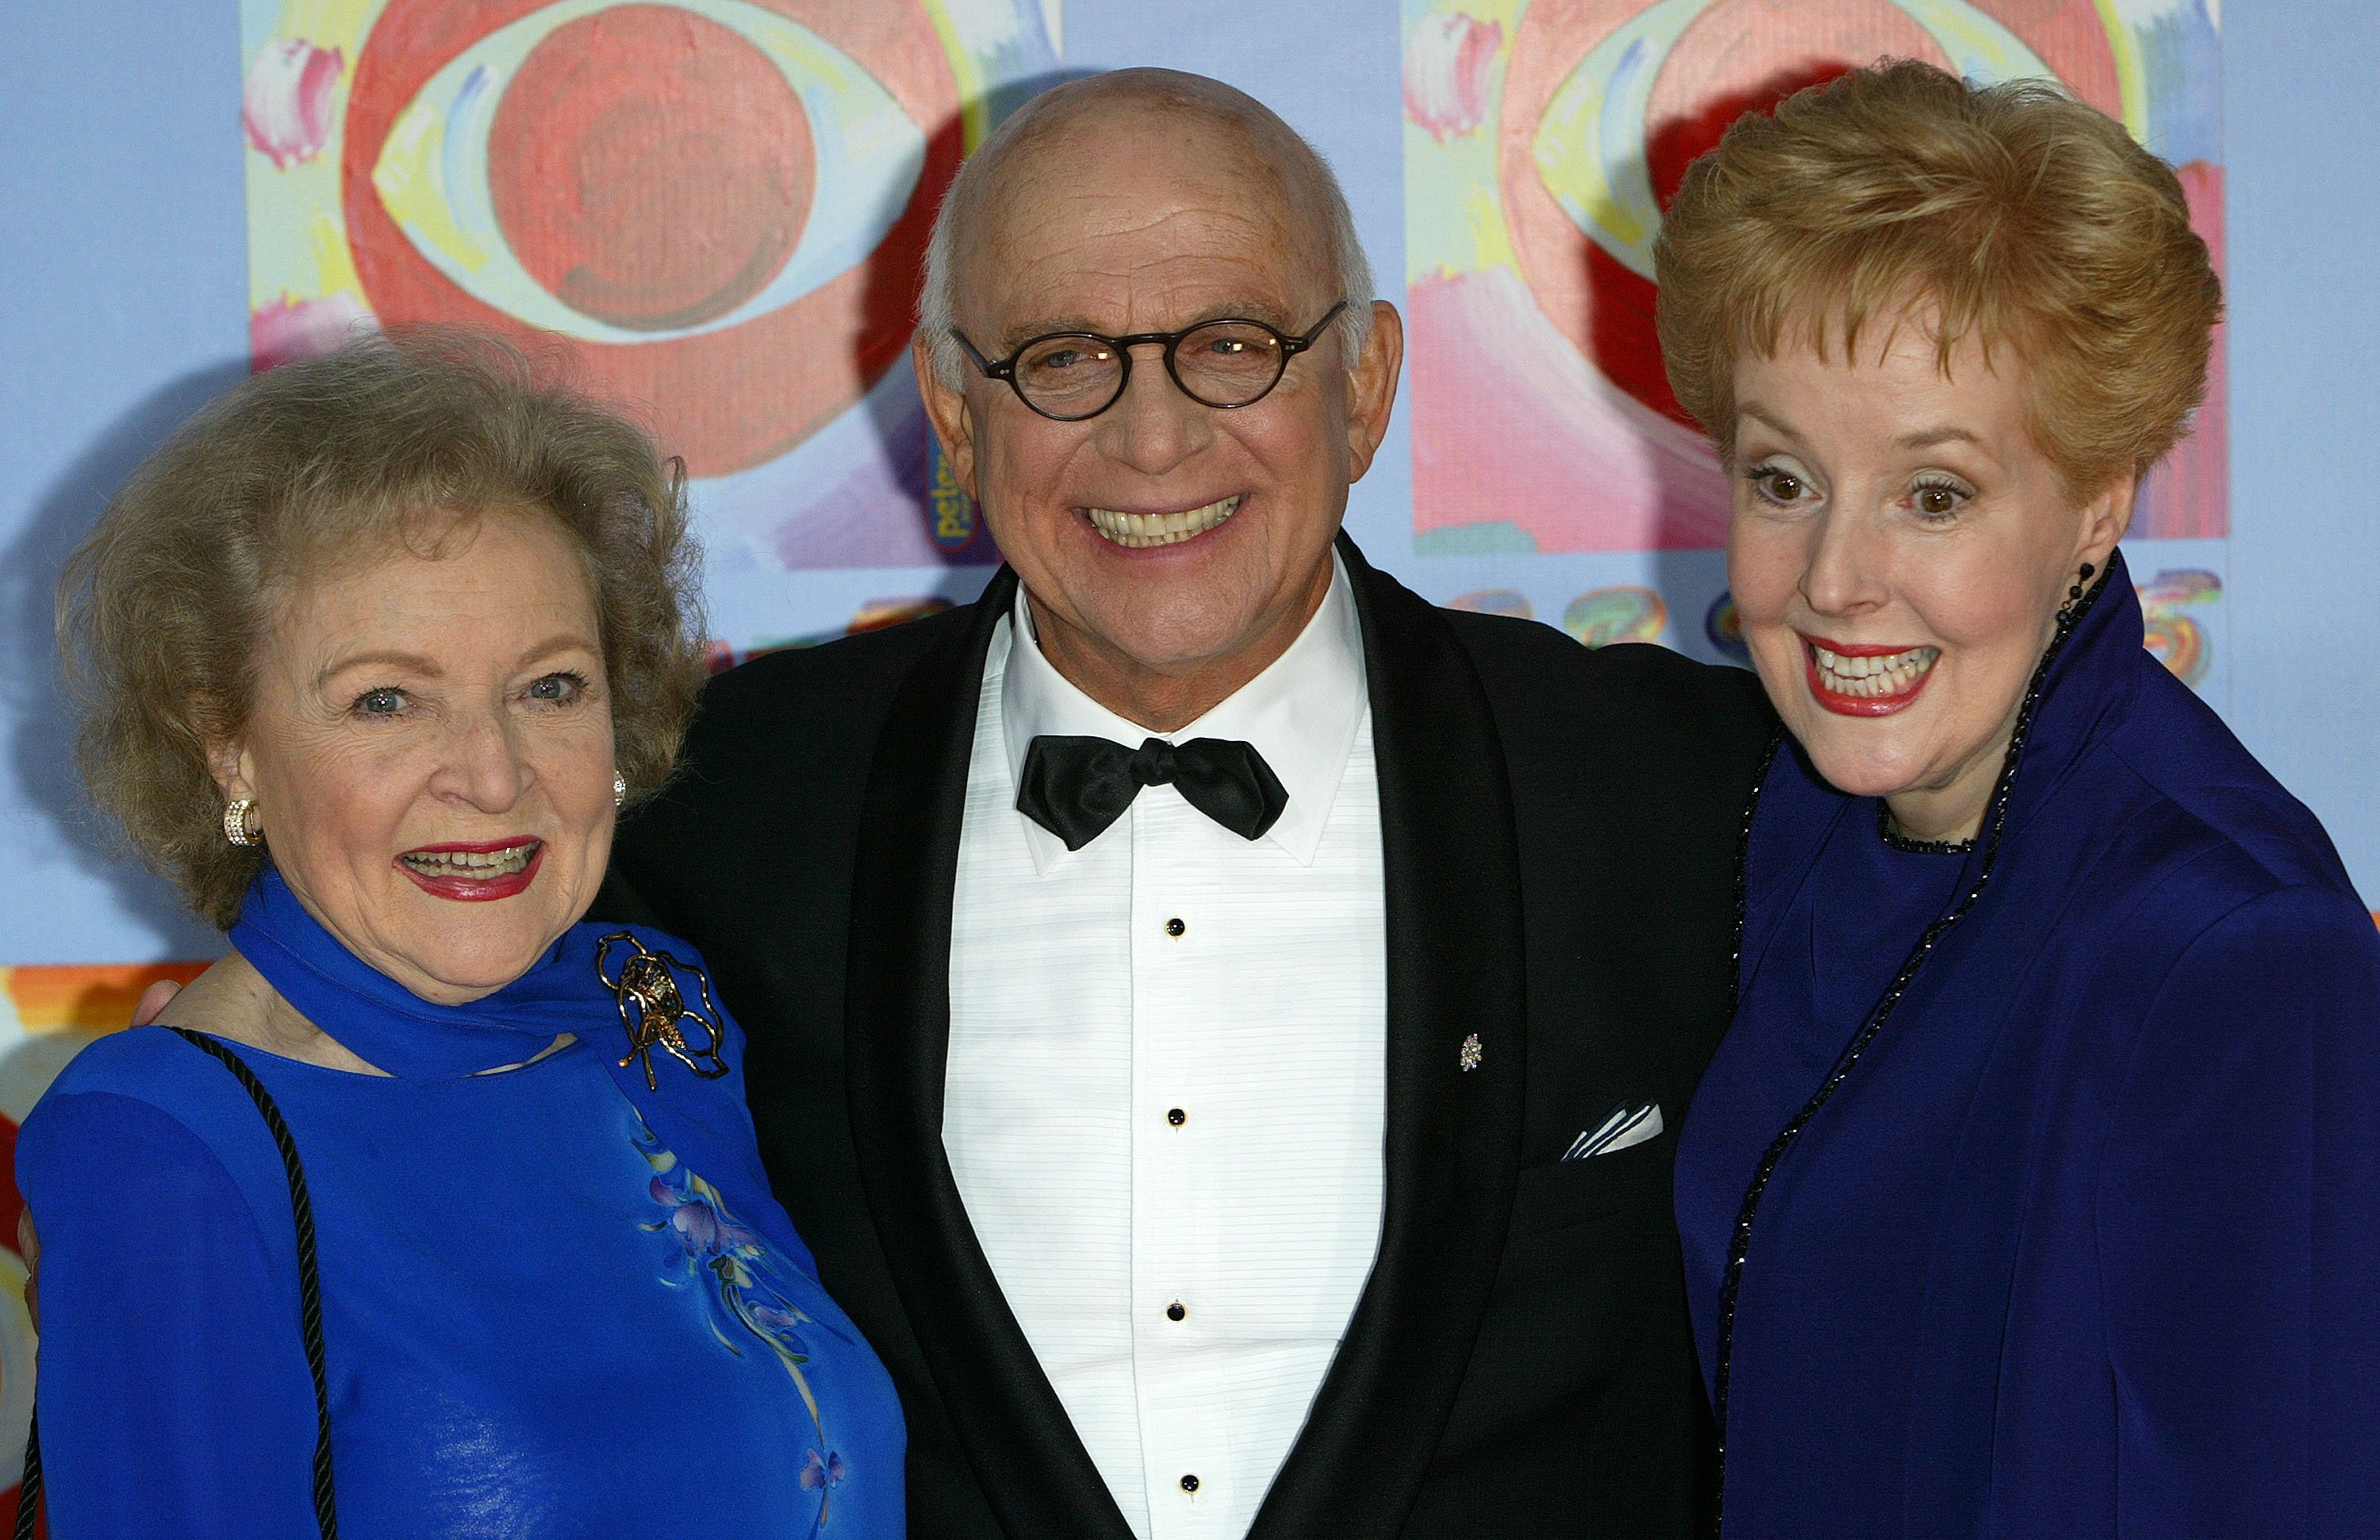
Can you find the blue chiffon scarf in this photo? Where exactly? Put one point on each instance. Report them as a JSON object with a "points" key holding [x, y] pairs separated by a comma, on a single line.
{"points": [[704, 1122]]}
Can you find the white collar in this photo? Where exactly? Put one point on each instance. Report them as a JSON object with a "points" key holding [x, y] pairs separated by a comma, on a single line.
{"points": [[1300, 713]]}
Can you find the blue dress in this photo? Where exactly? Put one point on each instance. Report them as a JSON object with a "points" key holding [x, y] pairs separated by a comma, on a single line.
{"points": [[2084, 1239], [556, 1300]]}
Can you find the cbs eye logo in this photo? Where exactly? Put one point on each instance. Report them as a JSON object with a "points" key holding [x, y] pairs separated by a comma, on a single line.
{"points": [[1606, 102], [720, 206]]}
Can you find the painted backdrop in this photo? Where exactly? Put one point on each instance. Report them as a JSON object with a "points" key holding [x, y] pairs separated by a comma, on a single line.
{"points": [[717, 209], [1543, 138]]}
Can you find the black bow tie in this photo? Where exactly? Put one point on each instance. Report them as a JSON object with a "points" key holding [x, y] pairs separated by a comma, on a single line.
{"points": [[1075, 787]]}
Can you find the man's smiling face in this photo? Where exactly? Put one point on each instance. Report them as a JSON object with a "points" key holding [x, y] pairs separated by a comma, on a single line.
{"points": [[1162, 539]]}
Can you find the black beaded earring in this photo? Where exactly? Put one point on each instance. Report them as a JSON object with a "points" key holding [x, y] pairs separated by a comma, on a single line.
{"points": [[2074, 595]]}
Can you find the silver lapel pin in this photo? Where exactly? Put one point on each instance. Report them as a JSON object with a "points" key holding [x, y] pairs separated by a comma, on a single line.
{"points": [[1471, 1053]]}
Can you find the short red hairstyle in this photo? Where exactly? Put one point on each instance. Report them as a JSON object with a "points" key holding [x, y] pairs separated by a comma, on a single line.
{"points": [[2012, 213]]}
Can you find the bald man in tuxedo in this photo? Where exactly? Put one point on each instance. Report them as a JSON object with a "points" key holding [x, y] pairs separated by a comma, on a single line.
{"points": [[1218, 1019]]}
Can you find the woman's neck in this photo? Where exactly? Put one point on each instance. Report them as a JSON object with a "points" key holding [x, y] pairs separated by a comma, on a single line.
{"points": [[1938, 816], [232, 1000]]}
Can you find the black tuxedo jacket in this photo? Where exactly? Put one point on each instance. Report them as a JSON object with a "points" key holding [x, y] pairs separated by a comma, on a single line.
{"points": [[1559, 829]]}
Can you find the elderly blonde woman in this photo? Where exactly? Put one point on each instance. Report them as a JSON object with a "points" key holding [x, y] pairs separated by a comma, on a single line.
{"points": [[428, 1210], [2034, 1189]]}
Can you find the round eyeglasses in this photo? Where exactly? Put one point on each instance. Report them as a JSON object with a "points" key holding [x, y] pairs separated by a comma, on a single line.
{"points": [[1070, 376]]}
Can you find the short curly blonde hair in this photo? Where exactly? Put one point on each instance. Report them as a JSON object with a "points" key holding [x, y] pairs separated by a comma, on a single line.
{"points": [[2026, 219], [294, 473]]}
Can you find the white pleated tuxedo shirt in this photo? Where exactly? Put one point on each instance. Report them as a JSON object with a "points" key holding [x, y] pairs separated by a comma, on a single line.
{"points": [[1165, 1101]]}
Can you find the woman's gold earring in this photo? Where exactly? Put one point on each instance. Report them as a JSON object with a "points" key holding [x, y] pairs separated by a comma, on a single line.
{"points": [[619, 791], [239, 822]]}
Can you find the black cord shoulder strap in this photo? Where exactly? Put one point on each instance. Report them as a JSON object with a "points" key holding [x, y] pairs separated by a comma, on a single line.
{"points": [[309, 1304]]}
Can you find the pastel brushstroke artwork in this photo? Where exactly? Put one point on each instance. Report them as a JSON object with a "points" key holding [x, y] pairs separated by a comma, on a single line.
{"points": [[286, 105], [283, 328], [1623, 613], [1543, 140], [1449, 63], [2171, 608], [714, 211]]}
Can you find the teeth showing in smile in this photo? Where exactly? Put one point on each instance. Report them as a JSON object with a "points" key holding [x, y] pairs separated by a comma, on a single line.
{"points": [[1137, 530], [1887, 673], [477, 866]]}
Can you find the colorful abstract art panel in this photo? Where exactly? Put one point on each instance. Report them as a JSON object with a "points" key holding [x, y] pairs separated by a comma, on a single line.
{"points": [[717, 210], [1543, 139]]}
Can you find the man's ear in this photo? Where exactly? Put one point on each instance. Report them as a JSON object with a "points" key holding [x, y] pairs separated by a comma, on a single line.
{"points": [[947, 410], [1372, 387]]}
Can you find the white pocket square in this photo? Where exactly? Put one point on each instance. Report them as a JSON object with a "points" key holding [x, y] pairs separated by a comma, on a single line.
{"points": [[1626, 1126]]}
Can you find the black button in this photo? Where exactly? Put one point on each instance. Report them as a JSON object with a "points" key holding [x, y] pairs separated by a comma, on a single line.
{"points": [[1176, 1311], [1189, 1483], [1174, 927], [1177, 1117]]}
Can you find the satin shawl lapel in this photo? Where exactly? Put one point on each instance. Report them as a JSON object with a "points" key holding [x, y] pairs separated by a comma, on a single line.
{"points": [[1023, 1449], [1455, 969]]}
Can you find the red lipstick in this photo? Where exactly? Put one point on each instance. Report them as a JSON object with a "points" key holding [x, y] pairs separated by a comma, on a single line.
{"points": [[1858, 705], [451, 884]]}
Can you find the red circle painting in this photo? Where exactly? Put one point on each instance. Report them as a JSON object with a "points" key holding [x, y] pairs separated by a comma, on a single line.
{"points": [[1736, 56], [653, 172], [625, 132]]}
